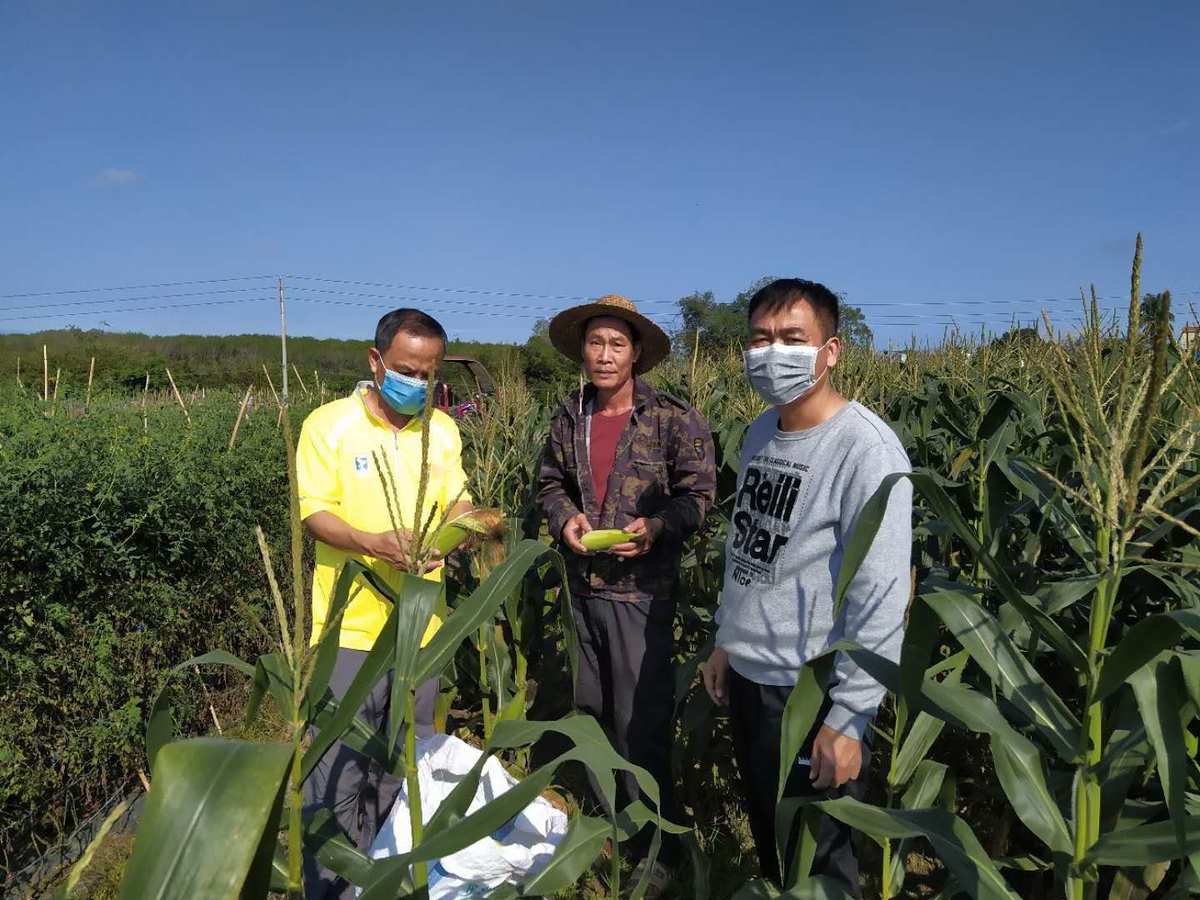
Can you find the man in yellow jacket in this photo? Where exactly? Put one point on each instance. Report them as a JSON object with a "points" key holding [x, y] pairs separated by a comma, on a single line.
{"points": [[343, 505]]}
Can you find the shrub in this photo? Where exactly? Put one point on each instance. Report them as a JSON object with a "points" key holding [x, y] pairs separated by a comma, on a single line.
{"points": [[122, 551]]}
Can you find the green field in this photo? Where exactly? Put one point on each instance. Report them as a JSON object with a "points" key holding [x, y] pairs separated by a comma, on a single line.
{"points": [[1041, 732]]}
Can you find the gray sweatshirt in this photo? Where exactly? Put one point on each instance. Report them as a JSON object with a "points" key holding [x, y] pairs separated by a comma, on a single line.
{"points": [[799, 496]]}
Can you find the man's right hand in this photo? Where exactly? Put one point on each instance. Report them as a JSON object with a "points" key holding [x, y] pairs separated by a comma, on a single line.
{"points": [[327, 527], [393, 550], [386, 546], [716, 676], [577, 526]]}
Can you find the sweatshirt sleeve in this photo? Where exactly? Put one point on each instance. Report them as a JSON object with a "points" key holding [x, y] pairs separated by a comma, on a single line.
{"points": [[877, 600]]}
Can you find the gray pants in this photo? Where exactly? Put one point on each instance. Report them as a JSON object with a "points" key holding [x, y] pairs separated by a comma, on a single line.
{"points": [[627, 682], [355, 788]]}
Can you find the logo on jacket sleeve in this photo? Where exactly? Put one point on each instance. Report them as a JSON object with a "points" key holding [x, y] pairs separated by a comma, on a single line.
{"points": [[361, 465]]}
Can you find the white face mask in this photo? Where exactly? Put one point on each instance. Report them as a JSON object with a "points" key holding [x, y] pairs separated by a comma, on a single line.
{"points": [[781, 373]]}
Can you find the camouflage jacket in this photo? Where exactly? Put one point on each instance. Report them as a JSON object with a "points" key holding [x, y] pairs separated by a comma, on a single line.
{"points": [[664, 468]]}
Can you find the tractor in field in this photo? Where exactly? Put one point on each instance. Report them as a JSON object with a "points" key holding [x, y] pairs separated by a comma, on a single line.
{"points": [[464, 386]]}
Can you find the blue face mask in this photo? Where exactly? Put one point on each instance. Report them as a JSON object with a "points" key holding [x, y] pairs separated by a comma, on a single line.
{"points": [[403, 393]]}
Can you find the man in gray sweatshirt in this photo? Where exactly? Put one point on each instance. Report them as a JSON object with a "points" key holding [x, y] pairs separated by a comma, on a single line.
{"points": [[808, 465]]}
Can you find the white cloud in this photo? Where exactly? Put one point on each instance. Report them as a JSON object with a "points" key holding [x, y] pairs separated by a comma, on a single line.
{"points": [[118, 177]]}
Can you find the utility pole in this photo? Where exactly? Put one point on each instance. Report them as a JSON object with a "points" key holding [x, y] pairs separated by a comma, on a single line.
{"points": [[283, 342]]}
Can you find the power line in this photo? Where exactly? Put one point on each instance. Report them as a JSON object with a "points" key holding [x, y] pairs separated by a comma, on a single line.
{"points": [[110, 303], [357, 303], [946, 317], [131, 287], [106, 312], [472, 304], [648, 302], [449, 290], [1003, 313], [534, 312], [141, 299]]}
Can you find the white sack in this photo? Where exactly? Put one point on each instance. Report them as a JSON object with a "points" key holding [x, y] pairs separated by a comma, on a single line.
{"points": [[519, 849]]}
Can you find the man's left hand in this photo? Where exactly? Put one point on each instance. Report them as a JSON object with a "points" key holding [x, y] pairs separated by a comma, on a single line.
{"points": [[645, 531], [836, 759]]}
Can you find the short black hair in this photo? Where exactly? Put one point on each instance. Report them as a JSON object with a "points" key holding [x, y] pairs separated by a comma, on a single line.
{"points": [[410, 321], [783, 292]]}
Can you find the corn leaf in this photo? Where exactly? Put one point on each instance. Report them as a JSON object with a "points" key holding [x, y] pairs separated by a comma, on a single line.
{"points": [[1007, 668], [799, 717], [414, 600], [1025, 475], [919, 739], [271, 675], [1125, 756], [1055, 596], [1142, 643], [160, 726], [279, 874], [929, 484], [344, 591], [213, 812], [1019, 766], [324, 839], [1147, 844], [1161, 699], [579, 849], [408, 616], [951, 837], [477, 609], [922, 793]]}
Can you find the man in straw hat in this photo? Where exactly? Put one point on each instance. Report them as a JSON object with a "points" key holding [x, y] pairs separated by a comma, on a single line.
{"points": [[623, 455]]}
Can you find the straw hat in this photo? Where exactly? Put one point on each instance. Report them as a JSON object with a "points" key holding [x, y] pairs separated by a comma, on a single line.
{"points": [[566, 330]]}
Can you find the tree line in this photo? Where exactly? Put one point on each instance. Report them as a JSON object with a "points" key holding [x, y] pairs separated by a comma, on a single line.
{"points": [[203, 361]]}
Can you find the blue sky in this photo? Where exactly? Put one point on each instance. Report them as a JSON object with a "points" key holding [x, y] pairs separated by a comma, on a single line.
{"points": [[911, 156]]}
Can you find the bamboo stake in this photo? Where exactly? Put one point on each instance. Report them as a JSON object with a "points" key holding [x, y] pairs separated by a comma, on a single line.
{"points": [[57, 376], [179, 398], [241, 413], [145, 391], [91, 371], [303, 386], [272, 385], [45, 375], [19, 372], [211, 709]]}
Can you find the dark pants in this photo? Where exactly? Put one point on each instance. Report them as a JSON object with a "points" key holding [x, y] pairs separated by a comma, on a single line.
{"points": [[627, 682], [756, 714], [355, 788]]}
